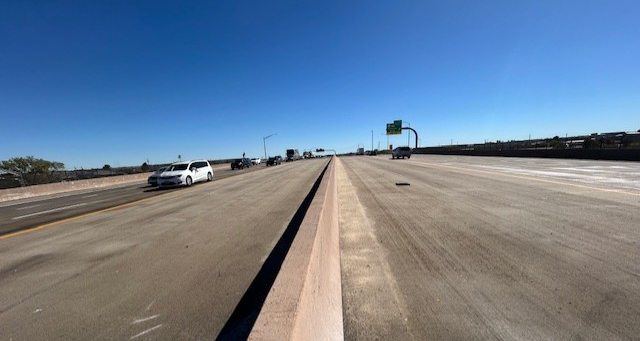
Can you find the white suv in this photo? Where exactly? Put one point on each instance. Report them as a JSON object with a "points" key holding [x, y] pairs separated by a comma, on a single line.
{"points": [[186, 173]]}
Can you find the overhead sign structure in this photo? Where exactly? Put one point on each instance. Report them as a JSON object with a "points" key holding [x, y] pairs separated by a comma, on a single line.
{"points": [[394, 128], [391, 129]]}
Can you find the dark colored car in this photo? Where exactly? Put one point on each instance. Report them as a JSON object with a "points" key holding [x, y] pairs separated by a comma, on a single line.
{"points": [[241, 163], [401, 152], [274, 160]]}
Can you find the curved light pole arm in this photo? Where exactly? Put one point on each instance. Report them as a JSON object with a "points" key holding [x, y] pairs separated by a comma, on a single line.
{"points": [[414, 131]]}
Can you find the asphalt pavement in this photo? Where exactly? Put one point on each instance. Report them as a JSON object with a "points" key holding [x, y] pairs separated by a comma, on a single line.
{"points": [[29, 213], [472, 248]]}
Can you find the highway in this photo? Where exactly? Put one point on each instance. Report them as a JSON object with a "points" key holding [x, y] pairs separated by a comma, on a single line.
{"points": [[472, 248], [169, 267], [25, 214], [432, 248]]}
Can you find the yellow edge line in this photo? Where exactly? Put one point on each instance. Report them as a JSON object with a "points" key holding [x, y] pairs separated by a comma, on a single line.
{"points": [[41, 227], [530, 178]]}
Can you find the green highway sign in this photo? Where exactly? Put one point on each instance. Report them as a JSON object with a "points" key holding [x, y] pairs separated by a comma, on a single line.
{"points": [[394, 128]]}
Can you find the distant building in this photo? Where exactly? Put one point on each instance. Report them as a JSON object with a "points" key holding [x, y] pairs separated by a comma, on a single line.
{"points": [[575, 144]]}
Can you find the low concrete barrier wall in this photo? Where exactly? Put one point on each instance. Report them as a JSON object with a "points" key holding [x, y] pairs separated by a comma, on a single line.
{"points": [[305, 302], [590, 154], [69, 186]]}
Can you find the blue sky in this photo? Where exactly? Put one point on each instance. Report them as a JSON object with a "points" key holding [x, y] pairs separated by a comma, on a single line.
{"points": [[89, 83]]}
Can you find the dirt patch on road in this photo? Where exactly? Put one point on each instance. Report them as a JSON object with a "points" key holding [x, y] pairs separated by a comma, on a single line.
{"points": [[367, 280]]}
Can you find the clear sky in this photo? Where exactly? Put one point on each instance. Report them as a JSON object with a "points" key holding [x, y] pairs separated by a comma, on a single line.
{"points": [[89, 83]]}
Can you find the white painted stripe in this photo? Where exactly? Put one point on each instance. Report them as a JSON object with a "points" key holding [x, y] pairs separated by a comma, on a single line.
{"points": [[145, 332], [150, 304], [96, 202], [34, 198], [466, 169], [145, 319], [90, 196], [48, 211], [26, 207]]}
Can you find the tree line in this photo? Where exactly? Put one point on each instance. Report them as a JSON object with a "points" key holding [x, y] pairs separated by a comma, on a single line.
{"points": [[31, 170], [26, 171]]}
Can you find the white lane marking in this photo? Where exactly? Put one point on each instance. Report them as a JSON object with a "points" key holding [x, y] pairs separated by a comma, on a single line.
{"points": [[145, 319], [48, 211], [145, 332], [599, 177], [540, 179], [96, 202], [150, 304], [27, 207], [90, 196], [61, 208], [121, 187]]}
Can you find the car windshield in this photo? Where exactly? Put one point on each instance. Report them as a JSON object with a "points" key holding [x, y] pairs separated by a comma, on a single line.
{"points": [[177, 167]]}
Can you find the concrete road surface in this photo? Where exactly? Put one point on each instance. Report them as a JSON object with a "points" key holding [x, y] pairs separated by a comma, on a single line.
{"points": [[24, 214], [473, 248], [170, 267]]}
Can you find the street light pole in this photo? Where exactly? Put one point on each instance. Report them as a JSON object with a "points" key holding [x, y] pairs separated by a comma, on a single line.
{"points": [[264, 144], [408, 134], [387, 147]]}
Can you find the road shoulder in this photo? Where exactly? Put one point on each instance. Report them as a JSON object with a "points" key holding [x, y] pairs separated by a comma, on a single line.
{"points": [[372, 305]]}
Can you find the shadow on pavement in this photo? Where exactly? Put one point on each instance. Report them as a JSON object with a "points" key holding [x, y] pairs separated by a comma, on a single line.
{"points": [[244, 316]]}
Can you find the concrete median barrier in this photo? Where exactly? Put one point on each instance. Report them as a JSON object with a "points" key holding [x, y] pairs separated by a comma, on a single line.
{"points": [[305, 302], [69, 186]]}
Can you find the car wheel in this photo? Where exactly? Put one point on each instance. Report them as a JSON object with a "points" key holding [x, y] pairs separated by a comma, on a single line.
{"points": [[189, 181], [209, 176], [408, 157]]}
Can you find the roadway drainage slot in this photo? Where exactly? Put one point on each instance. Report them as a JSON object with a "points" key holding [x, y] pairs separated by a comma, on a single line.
{"points": [[244, 316], [403, 184]]}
